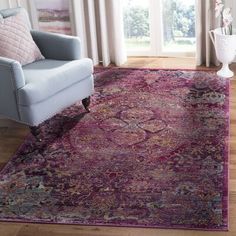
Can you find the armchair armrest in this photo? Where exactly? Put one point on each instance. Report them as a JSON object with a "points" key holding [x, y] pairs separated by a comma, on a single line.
{"points": [[11, 72], [11, 79], [57, 46]]}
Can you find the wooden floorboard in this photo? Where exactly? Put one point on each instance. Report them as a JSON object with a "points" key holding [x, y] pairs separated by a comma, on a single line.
{"points": [[12, 137]]}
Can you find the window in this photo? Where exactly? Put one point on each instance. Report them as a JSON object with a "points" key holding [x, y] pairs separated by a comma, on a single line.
{"points": [[159, 27], [137, 26], [178, 17]]}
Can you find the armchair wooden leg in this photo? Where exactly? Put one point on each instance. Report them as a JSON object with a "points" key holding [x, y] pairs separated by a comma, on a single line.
{"points": [[86, 103], [35, 131]]}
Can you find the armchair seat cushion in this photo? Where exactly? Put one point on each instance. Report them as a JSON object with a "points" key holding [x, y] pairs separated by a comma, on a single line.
{"points": [[46, 78]]}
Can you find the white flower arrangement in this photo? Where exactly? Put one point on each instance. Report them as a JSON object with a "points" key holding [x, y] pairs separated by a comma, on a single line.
{"points": [[226, 17]]}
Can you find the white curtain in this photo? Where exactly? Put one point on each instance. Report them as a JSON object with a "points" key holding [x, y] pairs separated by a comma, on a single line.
{"points": [[205, 21], [99, 24], [14, 3]]}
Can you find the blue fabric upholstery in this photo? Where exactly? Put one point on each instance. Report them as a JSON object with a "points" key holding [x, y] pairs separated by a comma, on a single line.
{"points": [[11, 79], [37, 91], [14, 70], [47, 77], [38, 112], [10, 11], [56, 46]]}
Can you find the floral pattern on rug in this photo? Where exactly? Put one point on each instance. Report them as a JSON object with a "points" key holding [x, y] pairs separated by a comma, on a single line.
{"points": [[153, 152]]}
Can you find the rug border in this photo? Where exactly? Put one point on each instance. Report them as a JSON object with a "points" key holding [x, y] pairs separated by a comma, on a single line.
{"points": [[157, 68], [114, 225], [228, 152], [20, 146]]}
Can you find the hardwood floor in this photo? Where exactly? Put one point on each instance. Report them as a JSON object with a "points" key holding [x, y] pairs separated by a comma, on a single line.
{"points": [[11, 138]]}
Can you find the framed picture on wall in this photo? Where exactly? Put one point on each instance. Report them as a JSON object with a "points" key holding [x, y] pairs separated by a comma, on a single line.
{"points": [[52, 16]]}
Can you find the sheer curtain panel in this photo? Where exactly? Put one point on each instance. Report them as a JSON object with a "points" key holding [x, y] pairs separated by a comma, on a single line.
{"points": [[205, 21], [99, 24]]}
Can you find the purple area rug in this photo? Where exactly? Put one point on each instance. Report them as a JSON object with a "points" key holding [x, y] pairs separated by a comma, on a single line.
{"points": [[153, 152]]}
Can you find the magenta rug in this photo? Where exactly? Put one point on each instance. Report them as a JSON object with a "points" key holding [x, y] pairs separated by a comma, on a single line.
{"points": [[153, 152]]}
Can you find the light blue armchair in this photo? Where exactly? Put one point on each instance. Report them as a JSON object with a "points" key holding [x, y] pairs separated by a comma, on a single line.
{"points": [[37, 91]]}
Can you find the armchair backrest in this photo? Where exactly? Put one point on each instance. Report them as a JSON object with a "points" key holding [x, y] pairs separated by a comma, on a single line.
{"points": [[13, 11]]}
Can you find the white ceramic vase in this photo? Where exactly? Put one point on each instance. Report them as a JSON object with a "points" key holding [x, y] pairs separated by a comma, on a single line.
{"points": [[225, 46]]}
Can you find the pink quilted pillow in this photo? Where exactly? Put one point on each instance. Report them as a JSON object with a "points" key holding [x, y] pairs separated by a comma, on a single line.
{"points": [[16, 41]]}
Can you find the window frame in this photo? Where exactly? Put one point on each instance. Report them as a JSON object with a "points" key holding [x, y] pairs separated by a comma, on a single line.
{"points": [[156, 33]]}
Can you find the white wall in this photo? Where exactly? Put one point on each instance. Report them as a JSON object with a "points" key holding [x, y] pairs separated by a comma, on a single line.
{"points": [[4, 4], [233, 5], [13, 3]]}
